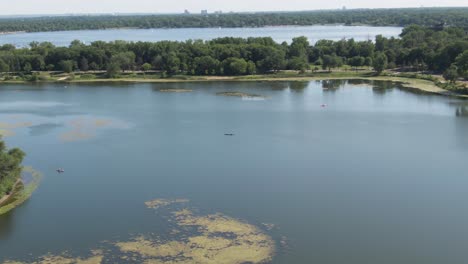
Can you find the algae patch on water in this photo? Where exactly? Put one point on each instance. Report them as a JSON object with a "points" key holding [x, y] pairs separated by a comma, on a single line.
{"points": [[191, 238], [241, 95], [213, 238], [84, 128], [81, 129], [175, 90], [63, 259], [6, 133], [8, 129], [156, 203]]}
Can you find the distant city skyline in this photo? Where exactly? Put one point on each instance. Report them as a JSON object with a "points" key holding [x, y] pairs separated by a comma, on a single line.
{"points": [[31, 7]]}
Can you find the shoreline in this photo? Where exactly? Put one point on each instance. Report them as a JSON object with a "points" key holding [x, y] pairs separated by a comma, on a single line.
{"points": [[11, 32], [24, 193], [213, 27], [8, 196], [409, 83]]}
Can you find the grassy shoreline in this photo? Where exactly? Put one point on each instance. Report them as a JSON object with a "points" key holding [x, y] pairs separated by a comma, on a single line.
{"points": [[7, 197], [22, 192], [407, 82]]}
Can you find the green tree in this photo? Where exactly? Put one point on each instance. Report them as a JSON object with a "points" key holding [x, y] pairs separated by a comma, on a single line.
{"points": [[331, 61], [380, 43], [205, 65], [3, 66], [171, 63], [27, 67], [84, 65], [356, 61], [37, 62], [67, 66], [113, 70], [251, 68], [380, 62], [94, 66], [234, 66], [125, 60], [10, 168], [462, 64], [451, 74], [299, 47], [298, 64], [274, 60], [146, 67], [158, 63], [368, 61]]}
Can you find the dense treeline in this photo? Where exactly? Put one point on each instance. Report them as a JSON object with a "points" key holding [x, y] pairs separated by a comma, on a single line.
{"points": [[10, 168], [378, 17], [419, 48]]}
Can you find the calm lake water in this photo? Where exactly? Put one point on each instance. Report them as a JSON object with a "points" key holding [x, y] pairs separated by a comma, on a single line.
{"points": [[377, 176], [279, 34]]}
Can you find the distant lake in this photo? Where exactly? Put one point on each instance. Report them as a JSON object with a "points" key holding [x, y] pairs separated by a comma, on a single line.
{"points": [[335, 171], [279, 34]]}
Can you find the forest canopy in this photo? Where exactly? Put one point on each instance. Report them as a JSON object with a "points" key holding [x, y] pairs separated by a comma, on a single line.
{"points": [[450, 16], [418, 48]]}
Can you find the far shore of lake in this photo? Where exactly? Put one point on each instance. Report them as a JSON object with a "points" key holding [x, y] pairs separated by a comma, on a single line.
{"points": [[11, 32]]}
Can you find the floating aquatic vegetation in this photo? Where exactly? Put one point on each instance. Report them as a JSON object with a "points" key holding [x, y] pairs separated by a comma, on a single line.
{"points": [[102, 122], [31, 179], [72, 128], [6, 133], [211, 239], [176, 90], [6, 125], [96, 258], [7, 129], [85, 128], [29, 105], [75, 135], [253, 98], [268, 226], [155, 204], [242, 95]]}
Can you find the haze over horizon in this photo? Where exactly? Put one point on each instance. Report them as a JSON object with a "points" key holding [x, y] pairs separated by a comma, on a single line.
{"points": [[31, 7]]}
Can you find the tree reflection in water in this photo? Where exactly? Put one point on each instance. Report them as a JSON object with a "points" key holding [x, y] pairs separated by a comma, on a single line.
{"points": [[278, 86], [333, 85], [462, 111], [298, 86], [6, 225]]}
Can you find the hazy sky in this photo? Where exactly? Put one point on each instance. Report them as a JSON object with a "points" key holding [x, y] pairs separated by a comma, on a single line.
{"points": [[176, 6]]}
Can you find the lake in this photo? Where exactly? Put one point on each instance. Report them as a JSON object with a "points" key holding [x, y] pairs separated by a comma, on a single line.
{"points": [[279, 34], [333, 172]]}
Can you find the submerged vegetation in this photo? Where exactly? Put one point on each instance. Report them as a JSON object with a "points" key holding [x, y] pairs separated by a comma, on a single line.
{"points": [[454, 16], [7, 129], [240, 94], [212, 238], [96, 258], [176, 90], [157, 203], [84, 128]]}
